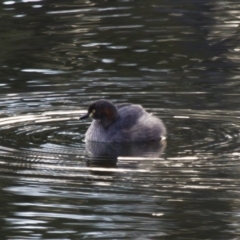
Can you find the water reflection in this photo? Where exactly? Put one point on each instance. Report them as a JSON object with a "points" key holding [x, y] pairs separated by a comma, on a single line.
{"points": [[179, 60], [105, 155], [142, 149]]}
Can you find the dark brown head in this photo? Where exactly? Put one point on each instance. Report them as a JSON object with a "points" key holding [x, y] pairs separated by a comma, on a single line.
{"points": [[103, 111]]}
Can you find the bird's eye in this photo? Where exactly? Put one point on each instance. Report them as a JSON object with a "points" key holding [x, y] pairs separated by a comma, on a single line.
{"points": [[92, 112]]}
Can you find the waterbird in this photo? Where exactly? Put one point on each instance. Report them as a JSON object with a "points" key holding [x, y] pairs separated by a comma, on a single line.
{"points": [[122, 123]]}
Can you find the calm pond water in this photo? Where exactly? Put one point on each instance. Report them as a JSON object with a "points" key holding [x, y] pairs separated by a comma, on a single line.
{"points": [[179, 59]]}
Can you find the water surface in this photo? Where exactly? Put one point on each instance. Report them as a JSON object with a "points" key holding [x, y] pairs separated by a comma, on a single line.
{"points": [[180, 61]]}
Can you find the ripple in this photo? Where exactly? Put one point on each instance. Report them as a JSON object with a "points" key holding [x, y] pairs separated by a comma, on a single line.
{"points": [[48, 147], [190, 133], [43, 71], [39, 131], [208, 132]]}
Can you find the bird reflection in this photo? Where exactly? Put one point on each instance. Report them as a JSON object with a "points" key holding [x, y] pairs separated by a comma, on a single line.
{"points": [[106, 154]]}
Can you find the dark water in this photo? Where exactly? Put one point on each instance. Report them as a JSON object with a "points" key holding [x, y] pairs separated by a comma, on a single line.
{"points": [[179, 59]]}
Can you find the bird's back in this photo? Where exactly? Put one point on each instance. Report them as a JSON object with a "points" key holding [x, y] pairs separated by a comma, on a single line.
{"points": [[129, 114], [135, 125]]}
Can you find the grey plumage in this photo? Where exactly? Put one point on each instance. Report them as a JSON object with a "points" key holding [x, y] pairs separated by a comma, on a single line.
{"points": [[132, 124]]}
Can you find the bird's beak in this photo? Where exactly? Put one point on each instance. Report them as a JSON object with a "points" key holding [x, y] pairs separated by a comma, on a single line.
{"points": [[84, 116]]}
